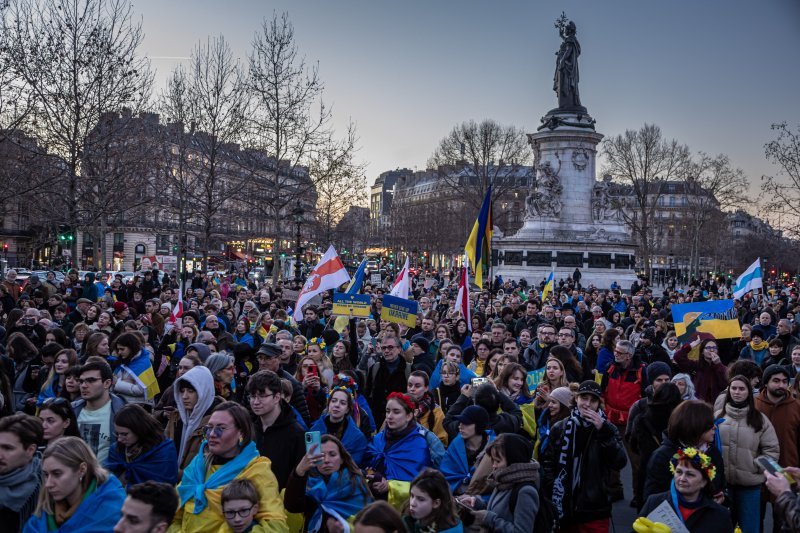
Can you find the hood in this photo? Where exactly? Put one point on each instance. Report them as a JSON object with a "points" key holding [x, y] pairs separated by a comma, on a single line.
{"points": [[202, 350], [203, 382]]}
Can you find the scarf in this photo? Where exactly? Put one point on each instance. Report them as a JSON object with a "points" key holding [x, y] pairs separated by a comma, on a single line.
{"points": [[64, 512], [568, 477], [763, 345], [336, 497], [352, 438], [194, 483], [514, 474], [405, 458], [159, 463], [17, 486]]}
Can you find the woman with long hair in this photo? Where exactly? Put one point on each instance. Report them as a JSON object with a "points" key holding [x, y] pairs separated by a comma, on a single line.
{"points": [[449, 389], [96, 344], [431, 506], [228, 453], [708, 373], [605, 355], [482, 352], [54, 384], [559, 405], [745, 433], [511, 382], [141, 452], [135, 380], [555, 376], [316, 350], [338, 422], [58, 419], [400, 450], [77, 494], [428, 414], [326, 486], [592, 348], [314, 388]]}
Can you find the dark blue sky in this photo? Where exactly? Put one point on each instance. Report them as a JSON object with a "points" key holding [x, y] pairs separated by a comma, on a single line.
{"points": [[712, 74]]}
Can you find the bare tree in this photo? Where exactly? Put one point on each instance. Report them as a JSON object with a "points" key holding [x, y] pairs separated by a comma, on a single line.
{"points": [[644, 161], [345, 185], [712, 185], [492, 153], [783, 189], [211, 96], [77, 60], [292, 126]]}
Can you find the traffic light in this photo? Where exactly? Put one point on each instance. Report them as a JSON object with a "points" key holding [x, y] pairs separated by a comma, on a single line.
{"points": [[65, 234], [5, 247]]}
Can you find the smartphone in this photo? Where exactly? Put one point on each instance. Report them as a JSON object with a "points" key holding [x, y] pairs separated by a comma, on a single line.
{"points": [[312, 371], [478, 381], [772, 466], [313, 439], [464, 505]]}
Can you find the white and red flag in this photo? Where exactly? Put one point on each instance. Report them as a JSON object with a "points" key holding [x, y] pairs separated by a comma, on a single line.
{"points": [[328, 274], [402, 283], [177, 311], [462, 299]]}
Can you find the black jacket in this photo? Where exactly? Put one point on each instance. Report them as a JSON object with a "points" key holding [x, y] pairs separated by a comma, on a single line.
{"points": [[381, 382], [298, 399], [282, 443], [603, 452], [659, 476], [711, 517]]}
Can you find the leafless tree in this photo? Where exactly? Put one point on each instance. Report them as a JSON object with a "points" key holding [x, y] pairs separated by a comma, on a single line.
{"points": [[783, 189], [345, 185], [211, 97], [644, 161], [711, 186], [292, 126], [492, 154], [76, 60]]}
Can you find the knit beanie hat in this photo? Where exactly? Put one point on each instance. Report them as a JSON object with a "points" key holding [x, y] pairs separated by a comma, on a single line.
{"points": [[563, 396], [657, 368], [771, 370], [218, 361]]}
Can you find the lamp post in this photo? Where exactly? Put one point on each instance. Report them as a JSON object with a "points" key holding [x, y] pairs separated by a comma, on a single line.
{"points": [[298, 213]]}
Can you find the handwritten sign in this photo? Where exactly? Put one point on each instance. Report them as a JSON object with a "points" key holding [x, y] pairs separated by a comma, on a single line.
{"points": [[666, 515], [355, 304], [399, 310]]}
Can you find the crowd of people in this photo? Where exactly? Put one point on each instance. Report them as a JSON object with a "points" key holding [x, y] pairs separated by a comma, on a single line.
{"points": [[120, 413]]}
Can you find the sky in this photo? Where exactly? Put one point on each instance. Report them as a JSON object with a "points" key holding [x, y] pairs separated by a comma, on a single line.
{"points": [[713, 74]]}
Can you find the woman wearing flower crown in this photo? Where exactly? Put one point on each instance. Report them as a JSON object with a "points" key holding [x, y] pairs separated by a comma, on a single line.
{"points": [[317, 351], [338, 421], [690, 492], [400, 451]]}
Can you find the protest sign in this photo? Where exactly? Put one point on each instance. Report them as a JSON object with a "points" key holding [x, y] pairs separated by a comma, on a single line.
{"points": [[357, 305], [399, 310]]}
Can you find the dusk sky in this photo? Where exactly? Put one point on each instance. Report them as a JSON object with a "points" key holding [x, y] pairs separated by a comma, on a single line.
{"points": [[712, 74]]}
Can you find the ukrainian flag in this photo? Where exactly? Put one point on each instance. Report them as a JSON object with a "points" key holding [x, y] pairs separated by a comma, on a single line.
{"points": [[358, 279], [480, 239], [548, 287], [717, 317], [142, 372]]}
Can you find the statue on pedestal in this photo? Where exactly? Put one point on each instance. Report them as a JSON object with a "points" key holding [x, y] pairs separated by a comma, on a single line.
{"points": [[565, 81], [545, 199]]}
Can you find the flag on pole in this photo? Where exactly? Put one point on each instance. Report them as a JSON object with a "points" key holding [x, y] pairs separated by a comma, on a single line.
{"points": [[480, 239], [177, 311], [462, 299], [328, 274], [749, 280], [548, 287], [358, 279], [402, 285]]}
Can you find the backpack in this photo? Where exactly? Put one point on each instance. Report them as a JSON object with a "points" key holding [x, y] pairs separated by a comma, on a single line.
{"points": [[546, 520]]}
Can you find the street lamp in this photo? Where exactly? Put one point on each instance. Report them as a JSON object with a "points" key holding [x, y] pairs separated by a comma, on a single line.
{"points": [[298, 213]]}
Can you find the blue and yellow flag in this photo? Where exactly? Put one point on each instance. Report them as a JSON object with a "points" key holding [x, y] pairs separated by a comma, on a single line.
{"points": [[548, 287], [480, 239], [142, 372], [717, 317], [358, 279]]}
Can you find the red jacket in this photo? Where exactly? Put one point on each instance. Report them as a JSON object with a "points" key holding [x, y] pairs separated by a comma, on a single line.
{"points": [[621, 389]]}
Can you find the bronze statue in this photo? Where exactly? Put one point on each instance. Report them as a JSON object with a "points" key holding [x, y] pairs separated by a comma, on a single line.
{"points": [[565, 81]]}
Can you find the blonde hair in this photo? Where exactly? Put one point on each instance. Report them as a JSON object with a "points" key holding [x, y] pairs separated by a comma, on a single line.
{"points": [[71, 452]]}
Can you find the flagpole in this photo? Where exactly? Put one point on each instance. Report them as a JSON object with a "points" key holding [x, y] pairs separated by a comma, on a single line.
{"points": [[491, 261]]}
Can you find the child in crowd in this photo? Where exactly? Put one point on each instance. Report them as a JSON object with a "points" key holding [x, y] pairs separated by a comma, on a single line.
{"points": [[240, 505]]}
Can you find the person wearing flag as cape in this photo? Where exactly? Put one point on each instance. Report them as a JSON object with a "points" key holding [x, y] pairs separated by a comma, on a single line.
{"points": [[459, 461], [327, 487], [135, 380], [338, 421]]}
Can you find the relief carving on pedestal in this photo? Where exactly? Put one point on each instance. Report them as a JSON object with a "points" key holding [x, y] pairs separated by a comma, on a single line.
{"points": [[545, 199], [606, 206]]}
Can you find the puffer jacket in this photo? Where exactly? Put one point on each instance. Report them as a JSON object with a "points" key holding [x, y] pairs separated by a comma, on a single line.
{"points": [[741, 444]]}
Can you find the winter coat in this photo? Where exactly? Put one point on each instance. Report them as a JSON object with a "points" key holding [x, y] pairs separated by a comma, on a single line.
{"points": [[709, 518], [741, 445], [174, 431], [709, 380], [500, 517], [283, 443], [785, 418], [788, 507]]}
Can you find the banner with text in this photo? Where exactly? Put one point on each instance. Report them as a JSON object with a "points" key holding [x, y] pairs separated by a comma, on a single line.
{"points": [[399, 310], [356, 304]]}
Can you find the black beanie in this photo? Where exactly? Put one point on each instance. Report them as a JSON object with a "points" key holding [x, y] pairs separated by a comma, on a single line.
{"points": [[517, 449]]}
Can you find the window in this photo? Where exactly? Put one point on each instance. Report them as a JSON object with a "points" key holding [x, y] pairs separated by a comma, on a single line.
{"points": [[119, 242]]}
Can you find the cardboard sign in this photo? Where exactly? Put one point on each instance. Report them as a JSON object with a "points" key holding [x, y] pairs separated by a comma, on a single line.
{"points": [[290, 295], [375, 279], [399, 310], [534, 378], [356, 304], [667, 516]]}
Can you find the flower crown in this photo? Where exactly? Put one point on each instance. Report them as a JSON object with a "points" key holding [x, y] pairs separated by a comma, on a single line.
{"points": [[319, 341], [697, 458], [403, 398], [344, 380], [342, 388]]}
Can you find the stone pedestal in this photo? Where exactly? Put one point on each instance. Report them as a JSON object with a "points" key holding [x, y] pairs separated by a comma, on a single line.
{"points": [[572, 221]]}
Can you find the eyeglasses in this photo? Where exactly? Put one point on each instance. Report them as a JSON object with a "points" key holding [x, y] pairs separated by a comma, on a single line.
{"points": [[243, 513], [712, 348], [215, 431], [548, 333], [259, 397], [88, 381]]}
